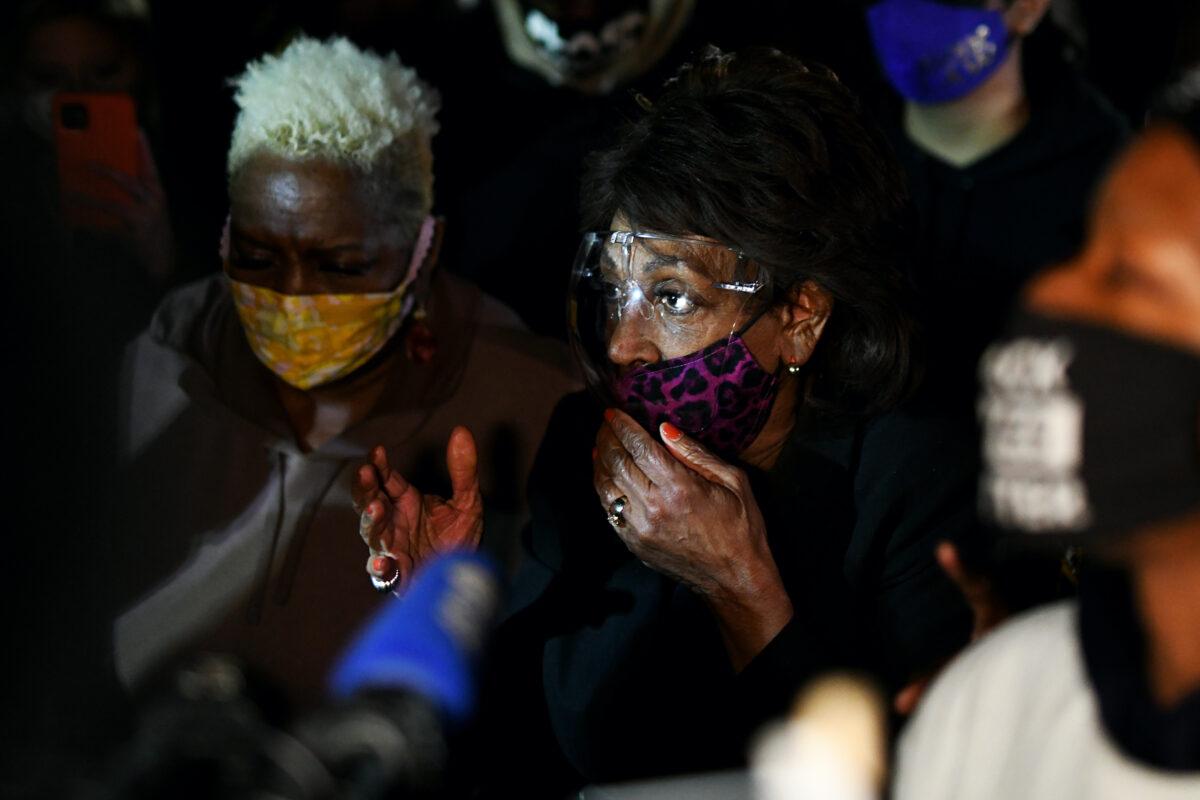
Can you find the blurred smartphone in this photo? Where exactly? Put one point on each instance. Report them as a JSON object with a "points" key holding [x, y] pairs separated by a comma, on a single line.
{"points": [[90, 131]]}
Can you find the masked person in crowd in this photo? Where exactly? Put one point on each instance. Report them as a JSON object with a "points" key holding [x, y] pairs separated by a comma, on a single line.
{"points": [[1002, 142], [755, 508], [590, 47], [549, 79], [256, 392], [77, 293], [89, 47], [1091, 408], [96, 239]]}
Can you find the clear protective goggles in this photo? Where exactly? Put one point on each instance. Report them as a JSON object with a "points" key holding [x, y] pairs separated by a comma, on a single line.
{"points": [[644, 298]]}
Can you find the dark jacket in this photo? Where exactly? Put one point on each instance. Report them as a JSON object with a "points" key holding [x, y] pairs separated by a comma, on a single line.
{"points": [[624, 670]]}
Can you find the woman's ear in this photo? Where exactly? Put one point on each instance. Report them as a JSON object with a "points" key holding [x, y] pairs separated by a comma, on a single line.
{"points": [[1023, 16], [804, 316]]}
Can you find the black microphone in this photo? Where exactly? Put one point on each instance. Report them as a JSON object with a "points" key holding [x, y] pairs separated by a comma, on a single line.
{"points": [[401, 692], [409, 682]]}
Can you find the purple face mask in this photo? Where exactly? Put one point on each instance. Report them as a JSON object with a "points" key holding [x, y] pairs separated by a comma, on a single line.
{"points": [[934, 53], [719, 395]]}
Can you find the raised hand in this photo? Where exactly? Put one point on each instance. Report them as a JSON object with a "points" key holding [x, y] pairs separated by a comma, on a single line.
{"points": [[143, 219], [402, 526]]}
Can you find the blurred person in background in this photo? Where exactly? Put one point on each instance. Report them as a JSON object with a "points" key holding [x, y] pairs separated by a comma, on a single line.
{"points": [[758, 506], [255, 392], [548, 80], [1002, 142], [1091, 407], [76, 294], [553, 95], [91, 46], [1129, 57]]}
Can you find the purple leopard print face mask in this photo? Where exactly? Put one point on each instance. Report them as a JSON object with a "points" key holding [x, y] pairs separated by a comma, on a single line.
{"points": [[719, 395]]}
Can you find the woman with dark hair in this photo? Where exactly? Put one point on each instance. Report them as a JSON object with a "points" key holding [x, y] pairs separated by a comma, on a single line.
{"points": [[755, 509]]}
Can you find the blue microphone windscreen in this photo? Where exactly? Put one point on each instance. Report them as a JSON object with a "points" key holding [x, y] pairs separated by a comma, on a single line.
{"points": [[428, 640]]}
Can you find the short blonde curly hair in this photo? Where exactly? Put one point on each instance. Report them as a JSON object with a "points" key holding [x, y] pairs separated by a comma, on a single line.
{"points": [[331, 100]]}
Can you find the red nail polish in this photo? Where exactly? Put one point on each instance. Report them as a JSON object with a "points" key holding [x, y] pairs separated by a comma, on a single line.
{"points": [[670, 432], [379, 565], [609, 414]]}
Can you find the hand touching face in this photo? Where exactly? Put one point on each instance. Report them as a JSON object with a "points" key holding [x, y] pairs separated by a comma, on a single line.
{"points": [[693, 517]]}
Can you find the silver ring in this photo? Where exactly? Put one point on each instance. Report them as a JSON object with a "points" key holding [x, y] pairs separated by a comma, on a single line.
{"points": [[615, 509], [385, 585]]}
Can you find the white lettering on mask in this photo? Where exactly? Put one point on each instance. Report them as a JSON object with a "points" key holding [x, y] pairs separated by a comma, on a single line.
{"points": [[1033, 438]]}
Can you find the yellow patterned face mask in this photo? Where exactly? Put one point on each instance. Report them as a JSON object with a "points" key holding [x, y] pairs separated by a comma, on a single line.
{"points": [[312, 339]]}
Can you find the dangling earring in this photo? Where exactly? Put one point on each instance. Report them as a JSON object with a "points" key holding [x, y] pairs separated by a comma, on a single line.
{"points": [[793, 367], [419, 342]]}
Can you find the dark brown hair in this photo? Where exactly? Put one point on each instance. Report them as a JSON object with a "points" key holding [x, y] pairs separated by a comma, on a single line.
{"points": [[777, 159]]}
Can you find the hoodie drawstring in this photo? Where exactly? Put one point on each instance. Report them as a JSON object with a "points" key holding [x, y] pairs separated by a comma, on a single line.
{"points": [[291, 563], [254, 610]]}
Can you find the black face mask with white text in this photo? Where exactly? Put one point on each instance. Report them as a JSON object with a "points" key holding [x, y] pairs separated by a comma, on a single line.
{"points": [[1088, 432]]}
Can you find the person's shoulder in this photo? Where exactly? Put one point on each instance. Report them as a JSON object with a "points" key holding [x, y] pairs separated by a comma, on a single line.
{"points": [[1077, 114], [506, 375], [1004, 680], [185, 320], [914, 423], [182, 337], [1025, 648], [511, 350], [495, 313], [1021, 683], [186, 311], [914, 444]]}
